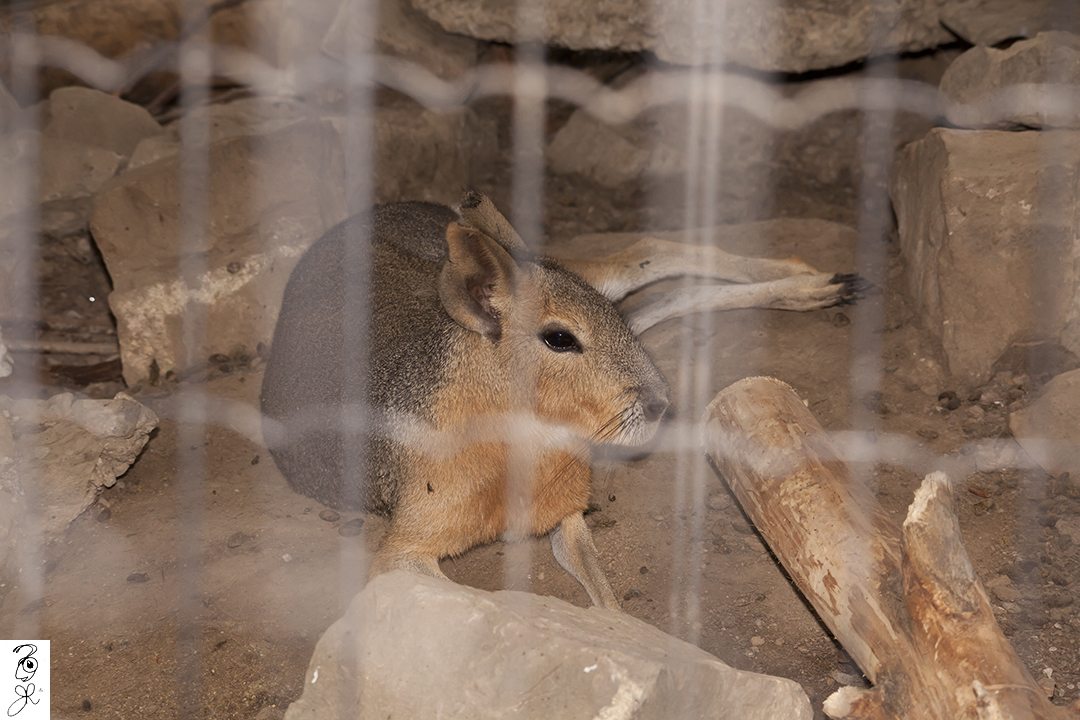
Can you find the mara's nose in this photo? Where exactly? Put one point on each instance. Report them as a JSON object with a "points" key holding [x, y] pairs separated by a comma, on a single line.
{"points": [[654, 405]]}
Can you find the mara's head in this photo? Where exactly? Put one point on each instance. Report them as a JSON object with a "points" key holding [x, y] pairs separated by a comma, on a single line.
{"points": [[570, 359]]}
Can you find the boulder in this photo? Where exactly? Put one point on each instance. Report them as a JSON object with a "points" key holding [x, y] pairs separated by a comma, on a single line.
{"points": [[785, 37], [62, 169], [101, 120], [421, 647], [989, 22], [988, 229], [259, 115], [55, 457], [276, 183], [402, 32], [1031, 84], [268, 197], [1048, 428]]}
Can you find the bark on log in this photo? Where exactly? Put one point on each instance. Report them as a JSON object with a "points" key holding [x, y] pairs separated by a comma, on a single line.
{"points": [[907, 605]]}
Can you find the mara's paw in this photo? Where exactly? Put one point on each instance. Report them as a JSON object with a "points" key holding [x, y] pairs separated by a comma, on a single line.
{"points": [[850, 288]]}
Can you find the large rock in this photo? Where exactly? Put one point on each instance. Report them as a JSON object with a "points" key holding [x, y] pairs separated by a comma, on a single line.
{"points": [[270, 195], [1002, 89], [57, 169], [1048, 428], [988, 227], [419, 647], [91, 117], [989, 22], [787, 37], [258, 115], [55, 457], [402, 32], [611, 155]]}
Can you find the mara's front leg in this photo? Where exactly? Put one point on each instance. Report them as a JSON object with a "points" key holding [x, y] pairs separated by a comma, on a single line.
{"points": [[572, 544], [397, 552]]}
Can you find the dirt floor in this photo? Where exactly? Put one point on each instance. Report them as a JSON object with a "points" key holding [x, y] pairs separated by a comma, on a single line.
{"points": [[200, 583]]}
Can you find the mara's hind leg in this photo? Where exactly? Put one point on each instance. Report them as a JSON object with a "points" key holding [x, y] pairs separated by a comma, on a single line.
{"points": [[572, 545], [799, 292], [652, 259]]}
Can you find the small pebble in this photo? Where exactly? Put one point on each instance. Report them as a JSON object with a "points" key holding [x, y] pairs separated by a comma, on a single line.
{"points": [[843, 678], [351, 528], [329, 515], [719, 501], [236, 539], [86, 704], [757, 641], [138, 578], [840, 320], [644, 570], [949, 400]]}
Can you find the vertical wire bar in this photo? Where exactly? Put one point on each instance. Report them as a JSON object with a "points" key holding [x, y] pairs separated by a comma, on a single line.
{"points": [[22, 189], [703, 148], [359, 194], [1041, 325], [527, 181], [194, 184], [874, 221]]}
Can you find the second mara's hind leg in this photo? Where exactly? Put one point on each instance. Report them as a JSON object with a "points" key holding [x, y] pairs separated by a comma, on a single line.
{"points": [[800, 292], [652, 259]]}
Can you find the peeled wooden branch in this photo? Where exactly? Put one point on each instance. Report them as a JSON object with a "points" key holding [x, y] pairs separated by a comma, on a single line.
{"points": [[906, 605]]}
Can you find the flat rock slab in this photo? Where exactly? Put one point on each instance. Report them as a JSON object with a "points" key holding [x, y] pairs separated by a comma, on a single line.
{"points": [[988, 226], [1049, 427], [1031, 84], [789, 37], [420, 647]]}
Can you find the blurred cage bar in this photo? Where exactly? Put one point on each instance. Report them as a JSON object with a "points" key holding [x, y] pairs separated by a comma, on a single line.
{"points": [[164, 164]]}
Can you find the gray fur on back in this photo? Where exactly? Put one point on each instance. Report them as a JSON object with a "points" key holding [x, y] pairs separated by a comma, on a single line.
{"points": [[326, 358]]}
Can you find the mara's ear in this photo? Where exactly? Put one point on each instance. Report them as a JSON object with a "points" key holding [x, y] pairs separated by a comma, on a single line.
{"points": [[479, 212], [476, 275]]}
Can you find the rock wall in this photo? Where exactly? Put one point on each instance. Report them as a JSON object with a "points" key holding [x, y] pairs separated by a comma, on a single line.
{"points": [[786, 37]]}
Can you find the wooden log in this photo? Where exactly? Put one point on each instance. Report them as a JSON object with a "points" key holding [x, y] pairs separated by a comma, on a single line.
{"points": [[907, 606]]}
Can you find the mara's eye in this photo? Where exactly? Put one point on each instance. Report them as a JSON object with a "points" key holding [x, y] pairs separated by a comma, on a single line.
{"points": [[560, 341]]}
